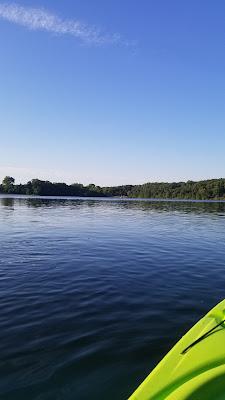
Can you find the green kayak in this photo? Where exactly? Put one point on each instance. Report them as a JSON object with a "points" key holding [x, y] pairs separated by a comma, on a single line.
{"points": [[195, 367]]}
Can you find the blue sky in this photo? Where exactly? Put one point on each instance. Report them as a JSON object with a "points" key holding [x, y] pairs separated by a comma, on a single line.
{"points": [[112, 92]]}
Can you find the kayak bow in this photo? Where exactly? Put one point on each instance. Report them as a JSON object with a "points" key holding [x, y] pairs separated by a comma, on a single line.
{"points": [[195, 367]]}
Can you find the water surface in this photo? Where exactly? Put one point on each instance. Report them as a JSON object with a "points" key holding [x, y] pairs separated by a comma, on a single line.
{"points": [[94, 292]]}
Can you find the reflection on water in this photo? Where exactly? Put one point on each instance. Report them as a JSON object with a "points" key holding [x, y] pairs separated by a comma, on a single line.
{"points": [[7, 202], [95, 291], [187, 206]]}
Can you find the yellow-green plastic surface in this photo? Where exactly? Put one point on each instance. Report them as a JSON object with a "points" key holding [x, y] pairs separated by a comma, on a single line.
{"points": [[199, 374]]}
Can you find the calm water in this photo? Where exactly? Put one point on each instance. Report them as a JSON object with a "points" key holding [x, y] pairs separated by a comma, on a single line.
{"points": [[94, 292]]}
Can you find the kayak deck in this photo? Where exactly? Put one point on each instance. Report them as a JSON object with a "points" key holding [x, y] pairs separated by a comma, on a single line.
{"points": [[195, 367]]}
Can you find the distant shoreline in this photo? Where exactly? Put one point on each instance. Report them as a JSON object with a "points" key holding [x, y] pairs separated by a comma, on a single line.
{"points": [[207, 190]]}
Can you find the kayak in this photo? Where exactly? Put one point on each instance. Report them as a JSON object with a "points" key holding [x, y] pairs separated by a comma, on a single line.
{"points": [[195, 367]]}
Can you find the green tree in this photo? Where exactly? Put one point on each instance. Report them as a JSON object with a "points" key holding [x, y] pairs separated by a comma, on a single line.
{"points": [[7, 184]]}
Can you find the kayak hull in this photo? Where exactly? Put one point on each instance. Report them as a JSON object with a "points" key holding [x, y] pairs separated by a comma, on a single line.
{"points": [[195, 367]]}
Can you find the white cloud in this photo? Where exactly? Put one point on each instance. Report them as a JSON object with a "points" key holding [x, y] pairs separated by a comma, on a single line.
{"points": [[41, 19]]}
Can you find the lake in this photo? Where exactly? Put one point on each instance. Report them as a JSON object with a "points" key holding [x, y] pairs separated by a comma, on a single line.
{"points": [[94, 292]]}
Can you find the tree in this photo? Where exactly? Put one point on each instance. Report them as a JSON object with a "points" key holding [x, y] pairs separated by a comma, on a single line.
{"points": [[8, 183], [8, 180]]}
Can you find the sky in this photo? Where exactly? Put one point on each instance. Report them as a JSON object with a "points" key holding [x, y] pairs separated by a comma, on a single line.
{"points": [[112, 92]]}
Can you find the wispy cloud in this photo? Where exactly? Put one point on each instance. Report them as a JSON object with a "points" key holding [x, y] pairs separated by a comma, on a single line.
{"points": [[41, 19]]}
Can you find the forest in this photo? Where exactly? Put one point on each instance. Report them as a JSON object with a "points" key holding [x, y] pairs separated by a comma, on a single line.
{"points": [[211, 189]]}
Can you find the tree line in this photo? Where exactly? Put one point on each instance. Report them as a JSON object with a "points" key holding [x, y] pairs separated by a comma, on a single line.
{"points": [[211, 189]]}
